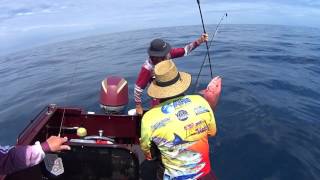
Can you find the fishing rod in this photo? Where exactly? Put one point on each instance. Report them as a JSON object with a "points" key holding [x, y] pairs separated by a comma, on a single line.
{"points": [[207, 54], [204, 31], [66, 98]]}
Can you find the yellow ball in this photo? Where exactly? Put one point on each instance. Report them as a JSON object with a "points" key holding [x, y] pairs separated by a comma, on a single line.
{"points": [[81, 132]]}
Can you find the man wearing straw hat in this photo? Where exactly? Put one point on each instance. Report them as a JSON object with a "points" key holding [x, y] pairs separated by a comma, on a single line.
{"points": [[179, 126]]}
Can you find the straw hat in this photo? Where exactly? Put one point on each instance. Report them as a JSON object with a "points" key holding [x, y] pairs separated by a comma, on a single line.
{"points": [[168, 82]]}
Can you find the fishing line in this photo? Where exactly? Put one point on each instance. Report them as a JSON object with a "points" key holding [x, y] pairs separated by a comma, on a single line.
{"points": [[67, 95], [204, 31], [207, 54]]}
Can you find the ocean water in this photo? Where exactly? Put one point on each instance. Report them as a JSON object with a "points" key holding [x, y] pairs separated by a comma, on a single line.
{"points": [[268, 113]]}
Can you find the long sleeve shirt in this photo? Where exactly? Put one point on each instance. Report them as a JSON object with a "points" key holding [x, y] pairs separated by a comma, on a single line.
{"points": [[146, 72], [15, 158]]}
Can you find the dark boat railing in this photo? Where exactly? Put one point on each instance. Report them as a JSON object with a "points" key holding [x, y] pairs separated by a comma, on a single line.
{"points": [[34, 119]]}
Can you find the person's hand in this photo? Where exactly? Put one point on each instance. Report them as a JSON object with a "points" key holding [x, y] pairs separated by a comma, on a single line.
{"points": [[55, 143], [203, 38], [139, 109]]}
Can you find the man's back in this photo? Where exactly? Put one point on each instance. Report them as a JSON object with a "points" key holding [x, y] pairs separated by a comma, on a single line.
{"points": [[180, 128]]}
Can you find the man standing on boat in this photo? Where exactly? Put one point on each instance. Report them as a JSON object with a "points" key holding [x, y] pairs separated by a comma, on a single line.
{"points": [[180, 125], [20, 157], [158, 51]]}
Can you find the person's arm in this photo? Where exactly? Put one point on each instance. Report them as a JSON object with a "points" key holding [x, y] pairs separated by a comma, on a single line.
{"points": [[141, 83], [180, 52], [145, 139], [210, 120], [20, 157], [212, 125]]}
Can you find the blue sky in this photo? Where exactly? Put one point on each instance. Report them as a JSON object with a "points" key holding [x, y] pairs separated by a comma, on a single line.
{"points": [[25, 23]]}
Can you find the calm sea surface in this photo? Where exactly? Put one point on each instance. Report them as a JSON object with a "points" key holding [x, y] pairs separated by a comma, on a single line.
{"points": [[268, 114]]}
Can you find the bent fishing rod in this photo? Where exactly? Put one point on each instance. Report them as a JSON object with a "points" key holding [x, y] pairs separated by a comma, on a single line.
{"points": [[207, 54], [204, 31]]}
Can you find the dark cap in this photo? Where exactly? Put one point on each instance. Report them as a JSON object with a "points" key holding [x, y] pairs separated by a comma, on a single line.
{"points": [[159, 48]]}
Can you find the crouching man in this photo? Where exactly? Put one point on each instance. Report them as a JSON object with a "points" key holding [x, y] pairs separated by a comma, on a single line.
{"points": [[179, 126]]}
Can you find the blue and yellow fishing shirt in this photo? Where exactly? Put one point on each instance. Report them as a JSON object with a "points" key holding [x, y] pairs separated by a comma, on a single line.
{"points": [[180, 128]]}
